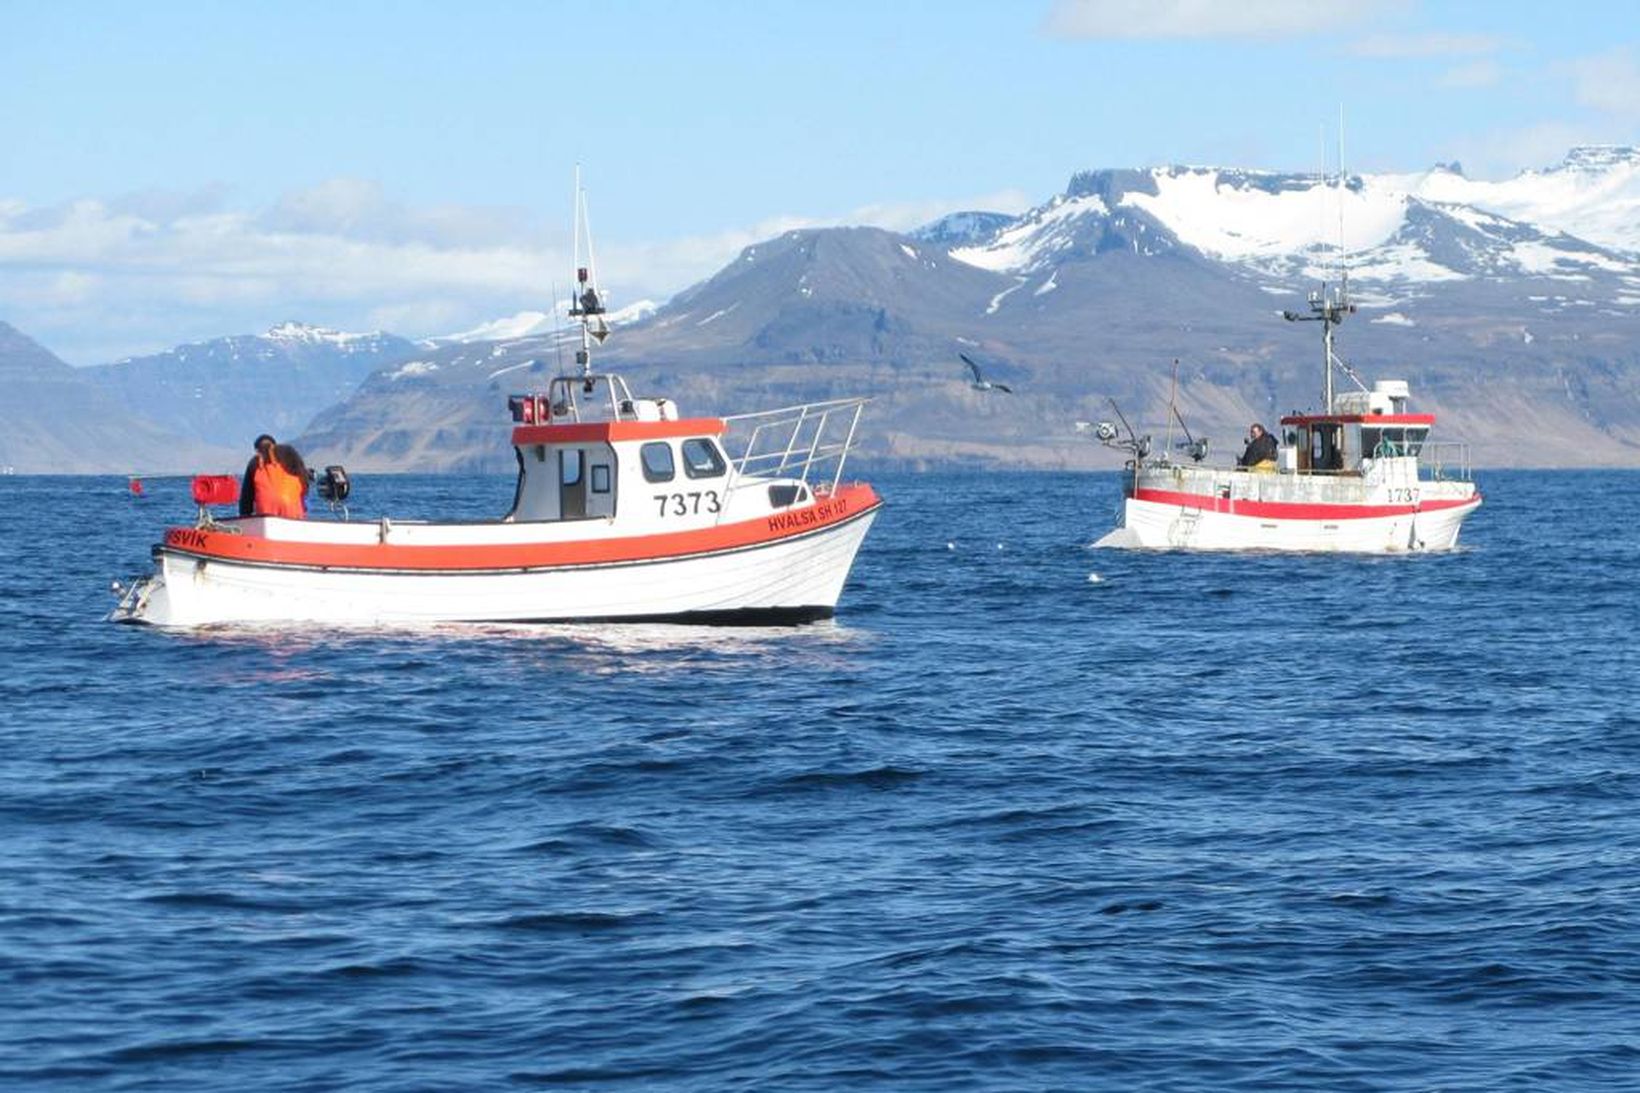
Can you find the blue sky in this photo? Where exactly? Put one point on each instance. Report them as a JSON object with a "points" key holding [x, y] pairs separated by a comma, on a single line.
{"points": [[173, 172]]}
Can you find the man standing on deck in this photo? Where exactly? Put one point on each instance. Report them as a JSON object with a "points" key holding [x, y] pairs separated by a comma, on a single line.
{"points": [[1261, 450]]}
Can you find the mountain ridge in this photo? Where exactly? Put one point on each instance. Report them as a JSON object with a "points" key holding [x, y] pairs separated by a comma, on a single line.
{"points": [[54, 420], [227, 390], [1496, 320], [1089, 294]]}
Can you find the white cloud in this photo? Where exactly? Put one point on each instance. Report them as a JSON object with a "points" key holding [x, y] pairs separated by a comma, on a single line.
{"points": [[1484, 73], [100, 279], [1504, 153], [1609, 82], [1201, 18], [1393, 46], [361, 209], [1606, 85]]}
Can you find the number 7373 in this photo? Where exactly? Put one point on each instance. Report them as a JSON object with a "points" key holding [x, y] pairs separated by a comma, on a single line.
{"points": [[688, 504]]}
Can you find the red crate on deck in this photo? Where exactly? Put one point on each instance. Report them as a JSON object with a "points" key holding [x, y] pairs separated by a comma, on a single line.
{"points": [[215, 489]]}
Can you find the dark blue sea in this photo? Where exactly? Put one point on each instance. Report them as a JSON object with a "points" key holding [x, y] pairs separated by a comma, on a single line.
{"points": [[1025, 816]]}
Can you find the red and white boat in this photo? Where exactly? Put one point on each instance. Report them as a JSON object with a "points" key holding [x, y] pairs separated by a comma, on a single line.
{"points": [[623, 510], [1359, 476]]}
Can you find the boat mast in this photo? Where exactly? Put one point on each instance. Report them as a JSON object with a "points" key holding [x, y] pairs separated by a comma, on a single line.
{"points": [[1329, 309], [586, 302]]}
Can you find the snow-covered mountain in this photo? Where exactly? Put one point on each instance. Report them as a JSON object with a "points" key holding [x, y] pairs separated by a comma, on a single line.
{"points": [[532, 324], [962, 229], [1578, 222], [1512, 308], [1594, 194], [227, 390], [1502, 325]]}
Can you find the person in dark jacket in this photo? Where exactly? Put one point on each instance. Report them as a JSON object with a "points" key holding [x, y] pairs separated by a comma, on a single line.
{"points": [[1261, 448], [247, 488]]}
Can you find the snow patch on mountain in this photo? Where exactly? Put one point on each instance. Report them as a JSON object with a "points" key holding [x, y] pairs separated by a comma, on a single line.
{"points": [[1035, 237], [1594, 194], [964, 229], [534, 324], [412, 368], [996, 301], [520, 324], [719, 313], [1240, 222], [292, 331], [1394, 229]]}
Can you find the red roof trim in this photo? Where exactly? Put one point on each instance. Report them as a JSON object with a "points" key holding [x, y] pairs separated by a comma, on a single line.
{"points": [[848, 503], [1351, 419], [578, 432]]}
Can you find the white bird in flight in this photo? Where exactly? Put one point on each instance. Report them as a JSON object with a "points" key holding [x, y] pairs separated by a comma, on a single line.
{"points": [[980, 382]]}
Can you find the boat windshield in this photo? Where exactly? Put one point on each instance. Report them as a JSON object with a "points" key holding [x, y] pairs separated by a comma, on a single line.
{"points": [[1382, 442]]}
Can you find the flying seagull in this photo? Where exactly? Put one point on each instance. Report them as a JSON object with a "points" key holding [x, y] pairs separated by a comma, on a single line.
{"points": [[980, 382]]}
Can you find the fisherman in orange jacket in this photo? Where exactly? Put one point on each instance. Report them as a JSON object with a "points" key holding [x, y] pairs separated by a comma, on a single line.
{"points": [[291, 486], [269, 488]]}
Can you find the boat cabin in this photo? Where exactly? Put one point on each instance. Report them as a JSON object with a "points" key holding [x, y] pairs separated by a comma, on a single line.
{"points": [[587, 437], [1364, 426]]}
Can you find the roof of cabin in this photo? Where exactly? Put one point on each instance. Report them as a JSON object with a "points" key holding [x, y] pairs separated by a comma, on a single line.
{"points": [[574, 432]]}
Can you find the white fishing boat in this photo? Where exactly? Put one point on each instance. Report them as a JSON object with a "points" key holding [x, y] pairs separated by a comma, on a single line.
{"points": [[1360, 475], [623, 510]]}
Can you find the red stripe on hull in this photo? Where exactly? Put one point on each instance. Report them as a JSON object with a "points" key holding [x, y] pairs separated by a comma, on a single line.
{"points": [[1292, 510], [848, 503]]}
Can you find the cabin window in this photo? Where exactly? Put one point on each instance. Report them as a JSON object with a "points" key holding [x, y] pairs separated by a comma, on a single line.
{"points": [[569, 466], [600, 478], [1387, 442], [701, 458], [786, 494], [657, 462]]}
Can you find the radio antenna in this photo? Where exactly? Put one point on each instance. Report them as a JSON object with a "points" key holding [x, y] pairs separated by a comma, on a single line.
{"points": [[586, 301], [1343, 191]]}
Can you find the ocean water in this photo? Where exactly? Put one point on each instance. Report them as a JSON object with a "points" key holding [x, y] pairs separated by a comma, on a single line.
{"points": [[1024, 816]]}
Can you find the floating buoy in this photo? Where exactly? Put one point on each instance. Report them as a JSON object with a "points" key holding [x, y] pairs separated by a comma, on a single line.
{"points": [[136, 487]]}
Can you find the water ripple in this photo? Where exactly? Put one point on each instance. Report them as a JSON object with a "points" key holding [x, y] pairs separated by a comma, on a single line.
{"points": [[1206, 823]]}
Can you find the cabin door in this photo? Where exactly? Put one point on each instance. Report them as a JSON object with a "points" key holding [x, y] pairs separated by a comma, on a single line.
{"points": [[572, 484]]}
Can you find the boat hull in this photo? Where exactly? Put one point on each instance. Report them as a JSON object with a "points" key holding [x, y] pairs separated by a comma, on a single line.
{"points": [[1173, 525], [795, 578]]}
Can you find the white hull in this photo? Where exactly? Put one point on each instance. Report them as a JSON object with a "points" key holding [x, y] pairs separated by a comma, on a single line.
{"points": [[1157, 526], [790, 579]]}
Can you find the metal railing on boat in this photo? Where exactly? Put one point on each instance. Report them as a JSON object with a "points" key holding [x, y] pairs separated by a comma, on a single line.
{"points": [[1447, 460], [796, 441]]}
